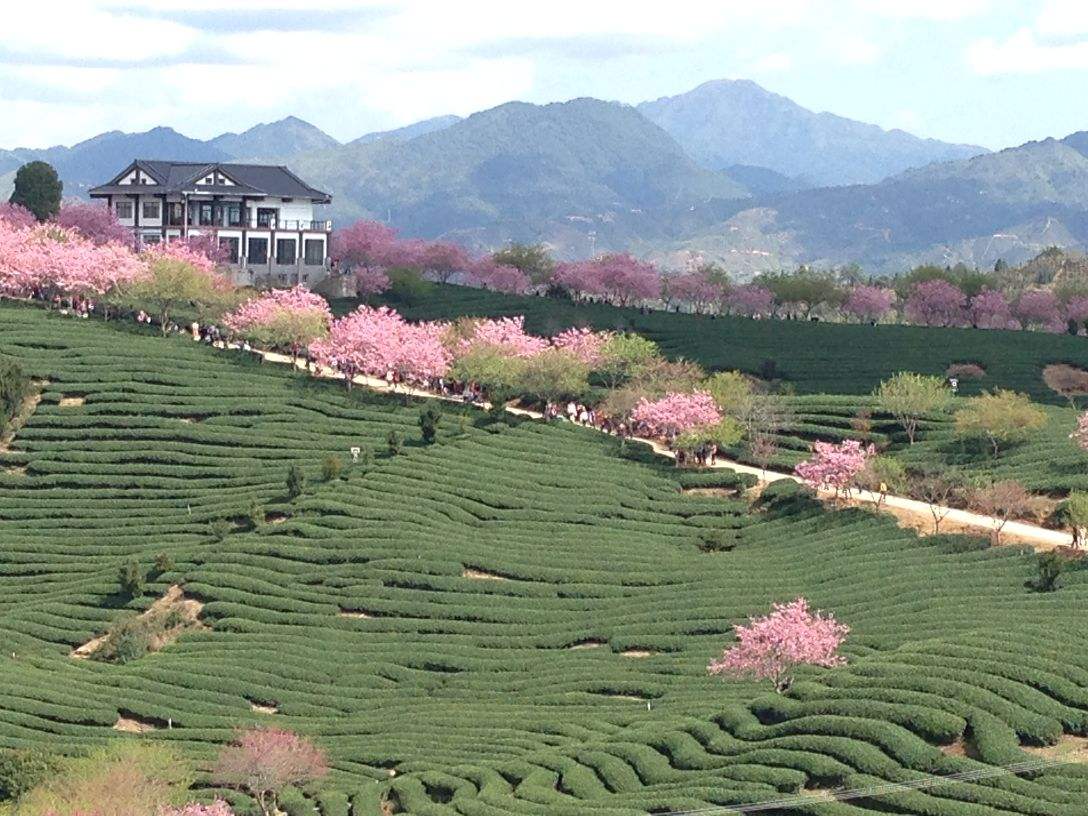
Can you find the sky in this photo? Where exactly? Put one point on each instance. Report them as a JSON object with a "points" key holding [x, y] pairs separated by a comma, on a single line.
{"points": [[991, 72]]}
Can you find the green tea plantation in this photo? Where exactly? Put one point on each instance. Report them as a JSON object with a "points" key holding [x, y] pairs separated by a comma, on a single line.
{"points": [[516, 619], [831, 358]]}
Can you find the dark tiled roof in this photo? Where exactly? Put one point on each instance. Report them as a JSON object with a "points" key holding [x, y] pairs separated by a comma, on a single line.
{"points": [[252, 179]]}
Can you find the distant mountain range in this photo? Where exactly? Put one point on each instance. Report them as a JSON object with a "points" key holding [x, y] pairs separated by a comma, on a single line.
{"points": [[728, 171], [728, 122]]}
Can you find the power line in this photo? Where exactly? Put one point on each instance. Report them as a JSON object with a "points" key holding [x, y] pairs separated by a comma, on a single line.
{"points": [[879, 790]]}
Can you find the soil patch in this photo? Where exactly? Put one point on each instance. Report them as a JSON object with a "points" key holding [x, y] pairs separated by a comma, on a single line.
{"points": [[481, 575], [353, 613], [164, 621], [71, 402], [720, 492], [261, 708], [638, 653], [586, 644], [133, 725], [1068, 749], [16, 471], [276, 518]]}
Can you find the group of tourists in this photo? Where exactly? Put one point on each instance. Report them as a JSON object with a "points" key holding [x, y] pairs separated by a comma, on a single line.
{"points": [[704, 455]]}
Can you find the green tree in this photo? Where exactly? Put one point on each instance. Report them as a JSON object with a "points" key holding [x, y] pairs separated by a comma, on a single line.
{"points": [[554, 375], [393, 442], [429, 418], [163, 563], [131, 578], [14, 388], [532, 259], [1049, 567], [909, 397], [22, 769], [1002, 417], [173, 283], [624, 356], [331, 468], [38, 188], [296, 482]]}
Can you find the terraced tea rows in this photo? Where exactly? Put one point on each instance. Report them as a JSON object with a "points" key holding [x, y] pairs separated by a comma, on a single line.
{"points": [[515, 620], [816, 357]]}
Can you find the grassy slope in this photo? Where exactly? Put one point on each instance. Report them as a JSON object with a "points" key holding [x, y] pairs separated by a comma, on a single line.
{"points": [[815, 357], [468, 685]]}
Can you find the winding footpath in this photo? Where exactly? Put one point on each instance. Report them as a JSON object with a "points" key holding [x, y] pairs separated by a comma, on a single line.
{"points": [[1040, 538]]}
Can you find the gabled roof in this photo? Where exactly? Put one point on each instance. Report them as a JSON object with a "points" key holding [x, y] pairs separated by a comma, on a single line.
{"points": [[275, 181]]}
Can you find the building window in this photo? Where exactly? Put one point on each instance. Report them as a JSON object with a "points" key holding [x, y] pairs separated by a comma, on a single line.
{"points": [[176, 213], [150, 238], [258, 250], [150, 210], [285, 251], [266, 216], [206, 217], [231, 245], [123, 209], [234, 215], [314, 249]]}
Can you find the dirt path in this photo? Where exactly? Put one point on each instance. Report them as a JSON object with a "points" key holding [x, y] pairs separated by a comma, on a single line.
{"points": [[910, 511]]}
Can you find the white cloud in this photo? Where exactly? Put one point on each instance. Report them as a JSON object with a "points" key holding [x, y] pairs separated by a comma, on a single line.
{"points": [[1024, 53], [925, 9], [853, 49], [1063, 18]]}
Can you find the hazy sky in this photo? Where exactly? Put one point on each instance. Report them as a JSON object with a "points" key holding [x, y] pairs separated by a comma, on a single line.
{"points": [[991, 72]]}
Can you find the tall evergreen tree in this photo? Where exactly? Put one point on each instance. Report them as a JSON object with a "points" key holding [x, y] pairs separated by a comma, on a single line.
{"points": [[38, 188]]}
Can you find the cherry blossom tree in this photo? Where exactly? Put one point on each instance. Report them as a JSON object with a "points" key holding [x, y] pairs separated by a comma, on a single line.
{"points": [[506, 335], [499, 277], [935, 303], [834, 467], [440, 260], [367, 248], [16, 215], [283, 318], [585, 344], [95, 222], [1040, 308], [178, 275], [771, 647], [377, 342], [675, 413], [620, 277], [869, 302], [1076, 309], [695, 289], [990, 310], [264, 761], [750, 300], [206, 245]]}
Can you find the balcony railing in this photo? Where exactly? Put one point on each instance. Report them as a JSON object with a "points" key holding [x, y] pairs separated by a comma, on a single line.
{"points": [[285, 225]]}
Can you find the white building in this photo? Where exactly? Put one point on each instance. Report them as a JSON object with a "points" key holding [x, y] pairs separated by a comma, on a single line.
{"points": [[262, 214]]}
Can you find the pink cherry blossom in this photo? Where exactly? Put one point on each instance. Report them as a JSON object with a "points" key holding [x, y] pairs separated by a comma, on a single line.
{"points": [[16, 215], [694, 289], [990, 310], [506, 334], [869, 302], [1040, 308], [1076, 309], [834, 467], [619, 277], [773, 646], [95, 222], [377, 342], [750, 300], [675, 413], [294, 317], [585, 344], [936, 303], [499, 277]]}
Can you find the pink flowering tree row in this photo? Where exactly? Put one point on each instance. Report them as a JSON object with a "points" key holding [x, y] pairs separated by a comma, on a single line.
{"points": [[282, 318], [773, 646], [675, 414], [834, 466]]}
